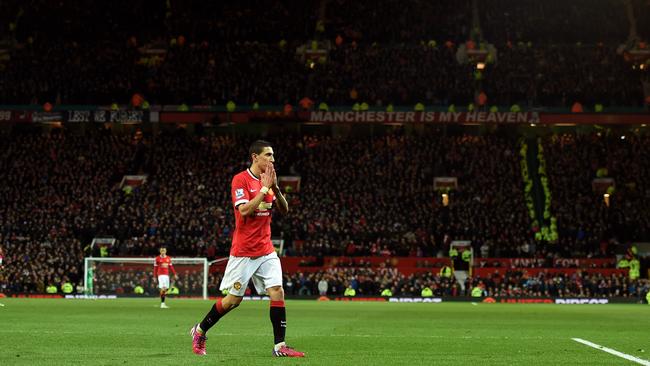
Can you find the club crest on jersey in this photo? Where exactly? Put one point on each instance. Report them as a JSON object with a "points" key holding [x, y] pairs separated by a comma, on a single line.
{"points": [[237, 286], [264, 206], [239, 193]]}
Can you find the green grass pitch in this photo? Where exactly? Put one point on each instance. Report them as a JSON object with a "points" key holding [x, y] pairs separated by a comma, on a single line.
{"points": [[137, 332]]}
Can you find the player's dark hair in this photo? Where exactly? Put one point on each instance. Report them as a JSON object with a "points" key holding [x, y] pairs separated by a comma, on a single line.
{"points": [[257, 147]]}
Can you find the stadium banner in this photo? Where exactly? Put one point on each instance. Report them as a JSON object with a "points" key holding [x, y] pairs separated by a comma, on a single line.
{"points": [[220, 117], [550, 300], [442, 183], [9, 116], [91, 297], [47, 117], [546, 263], [581, 301], [433, 300], [473, 117], [405, 117], [103, 116], [490, 271], [424, 117], [393, 299], [405, 265], [402, 117], [35, 296]]}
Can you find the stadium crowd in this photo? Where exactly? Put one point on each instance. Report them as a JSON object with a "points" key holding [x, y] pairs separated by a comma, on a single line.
{"points": [[184, 203], [61, 190], [359, 195], [369, 282], [586, 224], [332, 217], [379, 75], [372, 282], [642, 16], [58, 192], [560, 76], [248, 54], [554, 21], [392, 22]]}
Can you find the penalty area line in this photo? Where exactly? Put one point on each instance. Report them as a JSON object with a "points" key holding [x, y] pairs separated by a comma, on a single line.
{"points": [[613, 352]]}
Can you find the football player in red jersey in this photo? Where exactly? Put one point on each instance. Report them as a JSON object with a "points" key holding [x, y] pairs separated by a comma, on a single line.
{"points": [[255, 193], [161, 268]]}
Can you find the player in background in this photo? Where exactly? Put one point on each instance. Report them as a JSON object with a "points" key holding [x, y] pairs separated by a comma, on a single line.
{"points": [[161, 268], [252, 255]]}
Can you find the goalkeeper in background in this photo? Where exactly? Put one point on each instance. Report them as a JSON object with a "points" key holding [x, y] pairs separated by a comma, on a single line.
{"points": [[161, 268]]}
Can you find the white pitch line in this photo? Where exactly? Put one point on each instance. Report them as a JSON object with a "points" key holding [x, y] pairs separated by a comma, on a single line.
{"points": [[613, 352]]}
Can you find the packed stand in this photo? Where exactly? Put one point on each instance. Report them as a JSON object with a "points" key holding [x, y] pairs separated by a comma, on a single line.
{"points": [[393, 21], [58, 192], [579, 284], [399, 75], [247, 53], [372, 282], [360, 196], [553, 21], [369, 282], [587, 226], [213, 74], [561, 76], [98, 22], [364, 196], [185, 203], [642, 17], [264, 21]]}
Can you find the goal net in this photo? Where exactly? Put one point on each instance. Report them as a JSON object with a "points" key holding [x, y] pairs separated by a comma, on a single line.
{"points": [[134, 276]]}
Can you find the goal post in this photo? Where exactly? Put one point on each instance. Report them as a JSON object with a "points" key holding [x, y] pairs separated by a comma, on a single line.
{"points": [[130, 269]]}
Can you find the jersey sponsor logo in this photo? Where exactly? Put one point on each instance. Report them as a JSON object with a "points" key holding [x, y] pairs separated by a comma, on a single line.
{"points": [[239, 193], [253, 190], [237, 286]]}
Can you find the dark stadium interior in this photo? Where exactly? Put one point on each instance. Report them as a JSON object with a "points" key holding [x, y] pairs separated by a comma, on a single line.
{"points": [[366, 189]]}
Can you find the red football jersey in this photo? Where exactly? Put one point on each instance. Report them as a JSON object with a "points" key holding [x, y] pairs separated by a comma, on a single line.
{"points": [[163, 265], [252, 237]]}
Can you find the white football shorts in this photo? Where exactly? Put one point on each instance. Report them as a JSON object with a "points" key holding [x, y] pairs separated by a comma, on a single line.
{"points": [[163, 281], [265, 271]]}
